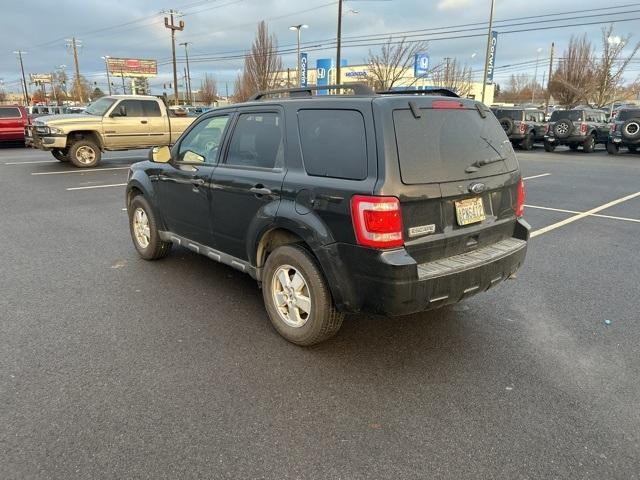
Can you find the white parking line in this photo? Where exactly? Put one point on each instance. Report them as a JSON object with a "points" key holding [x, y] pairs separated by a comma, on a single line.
{"points": [[536, 176], [97, 186], [37, 161], [591, 215], [588, 213], [84, 170]]}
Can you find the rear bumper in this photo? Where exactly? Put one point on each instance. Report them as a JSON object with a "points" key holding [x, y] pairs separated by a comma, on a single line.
{"points": [[392, 283], [620, 140], [565, 141]]}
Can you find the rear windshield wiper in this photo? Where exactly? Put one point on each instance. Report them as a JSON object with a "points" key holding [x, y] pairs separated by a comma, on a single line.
{"points": [[481, 163]]}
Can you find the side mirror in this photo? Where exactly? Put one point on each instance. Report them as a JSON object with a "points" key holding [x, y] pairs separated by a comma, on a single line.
{"points": [[160, 154]]}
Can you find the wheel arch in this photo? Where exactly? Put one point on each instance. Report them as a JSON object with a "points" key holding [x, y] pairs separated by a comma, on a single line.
{"points": [[91, 135]]}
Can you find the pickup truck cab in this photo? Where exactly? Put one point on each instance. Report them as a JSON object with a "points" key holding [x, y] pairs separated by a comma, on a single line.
{"points": [[13, 119], [118, 122]]}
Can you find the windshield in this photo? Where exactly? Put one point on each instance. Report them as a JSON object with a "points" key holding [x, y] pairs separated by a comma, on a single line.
{"points": [[99, 107], [625, 115], [512, 114], [442, 144], [573, 115]]}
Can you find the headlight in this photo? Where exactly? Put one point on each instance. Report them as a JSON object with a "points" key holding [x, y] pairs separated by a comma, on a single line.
{"points": [[55, 131]]}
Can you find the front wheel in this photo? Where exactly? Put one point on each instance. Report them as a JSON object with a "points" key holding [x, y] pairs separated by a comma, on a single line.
{"points": [[612, 148], [527, 143], [62, 155], [549, 147], [84, 154], [144, 230], [297, 297], [589, 144]]}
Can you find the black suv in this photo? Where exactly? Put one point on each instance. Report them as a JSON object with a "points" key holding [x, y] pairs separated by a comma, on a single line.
{"points": [[576, 128], [339, 203], [523, 126], [625, 131]]}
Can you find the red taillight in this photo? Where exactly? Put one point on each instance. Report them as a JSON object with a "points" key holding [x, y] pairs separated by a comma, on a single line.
{"points": [[583, 128], [523, 127], [519, 210], [613, 127], [377, 221], [548, 128], [447, 104]]}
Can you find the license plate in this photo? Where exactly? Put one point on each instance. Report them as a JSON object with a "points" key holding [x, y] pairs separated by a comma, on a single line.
{"points": [[469, 211]]}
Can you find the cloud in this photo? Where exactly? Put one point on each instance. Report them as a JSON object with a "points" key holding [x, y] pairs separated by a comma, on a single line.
{"points": [[453, 4]]}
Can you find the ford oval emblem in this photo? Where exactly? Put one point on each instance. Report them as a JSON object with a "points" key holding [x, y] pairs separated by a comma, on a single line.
{"points": [[477, 187]]}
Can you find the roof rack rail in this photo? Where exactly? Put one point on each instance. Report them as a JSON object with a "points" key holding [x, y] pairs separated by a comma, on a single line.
{"points": [[358, 89], [445, 92]]}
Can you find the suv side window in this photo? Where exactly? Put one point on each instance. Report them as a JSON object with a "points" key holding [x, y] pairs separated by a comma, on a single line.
{"points": [[530, 117], [150, 108], [257, 141], [334, 143], [133, 108], [202, 143], [9, 112]]}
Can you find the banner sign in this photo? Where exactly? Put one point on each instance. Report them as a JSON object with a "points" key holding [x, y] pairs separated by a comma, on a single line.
{"points": [[132, 67], [40, 77], [303, 69], [421, 65], [492, 56], [323, 68]]}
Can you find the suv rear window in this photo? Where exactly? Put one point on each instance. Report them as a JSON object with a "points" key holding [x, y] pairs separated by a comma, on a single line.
{"points": [[512, 114], [573, 115], [6, 112], [625, 115], [441, 144], [333, 143]]}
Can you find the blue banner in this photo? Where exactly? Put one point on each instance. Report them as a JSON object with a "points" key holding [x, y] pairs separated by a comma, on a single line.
{"points": [[421, 65], [303, 69], [492, 56], [323, 67]]}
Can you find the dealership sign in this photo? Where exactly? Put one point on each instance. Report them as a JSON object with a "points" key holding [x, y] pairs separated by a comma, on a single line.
{"points": [[132, 67], [304, 69], [421, 65], [323, 66], [356, 74], [40, 77], [492, 56]]}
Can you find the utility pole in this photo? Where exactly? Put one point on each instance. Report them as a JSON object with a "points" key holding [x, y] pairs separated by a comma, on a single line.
{"points": [[186, 56], [546, 105], [339, 40], [173, 27], [486, 58], [73, 43], [106, 64], [297, 28], [535, 76], [24, 79]]}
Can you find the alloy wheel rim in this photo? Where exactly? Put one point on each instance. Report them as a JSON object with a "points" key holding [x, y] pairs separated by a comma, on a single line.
{"points": [[291, 296], [563, 128], [141, 229], [85, 155]]}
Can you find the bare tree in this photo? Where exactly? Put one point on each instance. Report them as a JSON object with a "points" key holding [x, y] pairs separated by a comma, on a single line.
{"points": [[610, 68], [519, 89], [453, 75], [393, 63], [208, 90], [3, 96], [573, 80], [261, 65], [80, 89]]}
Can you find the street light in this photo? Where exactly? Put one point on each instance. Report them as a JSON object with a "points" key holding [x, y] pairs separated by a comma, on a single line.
{"points": [[614, 41], [535, 75], [106, 64], [297, 28]]}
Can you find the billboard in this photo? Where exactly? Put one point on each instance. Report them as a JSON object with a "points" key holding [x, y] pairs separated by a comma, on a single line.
{"points": [[421, 65], [323, 67], [40, 77], [303, 69], [132, 67], [492, 56]]}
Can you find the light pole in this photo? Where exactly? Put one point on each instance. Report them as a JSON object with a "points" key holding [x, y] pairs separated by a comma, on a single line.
{"points": [[486, 58], [186, 54], [297, 28], [535, 75], [106, 64], [613, 41], [24, 79]]}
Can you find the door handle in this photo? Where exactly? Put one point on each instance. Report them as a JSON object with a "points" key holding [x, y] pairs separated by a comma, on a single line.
{"points": [[260, 190], [198, 182], [143, 121]]}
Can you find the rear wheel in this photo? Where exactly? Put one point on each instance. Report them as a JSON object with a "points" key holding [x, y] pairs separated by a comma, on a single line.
{"points": [[549, 147], [297, 297], [144, 230], [84, 154], [612, 148], [589, 144], [527, 143], [62, 155]]}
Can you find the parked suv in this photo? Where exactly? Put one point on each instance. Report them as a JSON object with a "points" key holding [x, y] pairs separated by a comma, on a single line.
{"points": [[523, 126], [625, 131], [339, 203], [576, 128]]}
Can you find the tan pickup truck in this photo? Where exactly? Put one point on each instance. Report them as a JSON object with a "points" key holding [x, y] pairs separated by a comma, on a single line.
{"points": [[118, 122]]}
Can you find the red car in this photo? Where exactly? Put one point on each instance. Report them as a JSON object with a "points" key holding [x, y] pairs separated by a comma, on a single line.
{"points": [[13, 119]]}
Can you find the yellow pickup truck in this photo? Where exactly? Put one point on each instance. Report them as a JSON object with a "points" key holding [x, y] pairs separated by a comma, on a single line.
{"points": [[117, 122]]}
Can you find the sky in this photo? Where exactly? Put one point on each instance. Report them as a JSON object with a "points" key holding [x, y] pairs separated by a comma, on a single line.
{"points": [[226, 28]]}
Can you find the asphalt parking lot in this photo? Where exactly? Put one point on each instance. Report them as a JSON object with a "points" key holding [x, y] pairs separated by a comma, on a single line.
{"points": [[113, 367]]}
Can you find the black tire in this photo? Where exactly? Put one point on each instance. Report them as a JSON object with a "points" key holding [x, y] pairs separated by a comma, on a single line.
{"points": [[84, 154], [563, 128], [549, 147], [589, 144], [507, 125], [631, 129], [156, 248], [527, 142], [612, 148], [60, 155], [574, 146], [632, 148], [324, 320]]}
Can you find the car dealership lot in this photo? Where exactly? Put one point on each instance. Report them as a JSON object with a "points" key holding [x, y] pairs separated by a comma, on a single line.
{"points": [[113, 367]]}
